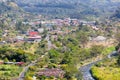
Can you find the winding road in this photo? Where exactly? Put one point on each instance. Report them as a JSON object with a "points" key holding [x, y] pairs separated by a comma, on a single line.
{"points": [[22, 74], [49, 42], [85, 70]]}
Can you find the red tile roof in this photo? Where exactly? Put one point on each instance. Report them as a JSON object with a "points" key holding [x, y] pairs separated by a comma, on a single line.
{"points": [[33, 33]]}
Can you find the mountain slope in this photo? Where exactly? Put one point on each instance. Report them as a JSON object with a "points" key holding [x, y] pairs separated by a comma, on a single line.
{"points": [[70, 8]]}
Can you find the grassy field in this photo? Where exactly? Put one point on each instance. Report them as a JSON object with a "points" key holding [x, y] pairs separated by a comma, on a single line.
{"points": [[8, 72], [108, 50], [106, 70]]}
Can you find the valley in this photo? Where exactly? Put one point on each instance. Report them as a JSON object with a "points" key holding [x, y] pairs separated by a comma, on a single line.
{"points": [[59, 39]]}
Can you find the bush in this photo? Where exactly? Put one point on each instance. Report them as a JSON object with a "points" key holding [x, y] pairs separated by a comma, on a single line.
{"points": [[18, 55], [28, 78], [32, 68], [96, 50]]}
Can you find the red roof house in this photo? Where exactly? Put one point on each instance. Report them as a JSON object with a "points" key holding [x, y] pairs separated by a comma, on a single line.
{"points": [[33, 33], [34, 36]]}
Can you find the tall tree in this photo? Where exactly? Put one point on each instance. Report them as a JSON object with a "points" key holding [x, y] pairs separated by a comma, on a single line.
{"points": [[117, 37], [83, 38]]}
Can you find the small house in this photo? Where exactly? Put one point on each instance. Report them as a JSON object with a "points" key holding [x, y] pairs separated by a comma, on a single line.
{"points": [[51, 72], [20, 63], [34, 37]]}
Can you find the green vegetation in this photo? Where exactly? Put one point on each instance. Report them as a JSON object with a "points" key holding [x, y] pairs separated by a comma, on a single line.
{"points": [[116, 14], [107, 69], [108, 50], [15, 55], [69, 49], [68, 54], [9, 72], [41, 49], [74, 9]]}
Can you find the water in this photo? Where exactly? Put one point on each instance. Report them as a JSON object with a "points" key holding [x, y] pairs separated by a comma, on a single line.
{"points": [[85, 70]]}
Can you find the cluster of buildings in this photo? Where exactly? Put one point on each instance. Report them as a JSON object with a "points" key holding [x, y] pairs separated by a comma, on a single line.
{"points": [[61, 23], [54, 27], [15, 63], [31, 36], [57, 22]]}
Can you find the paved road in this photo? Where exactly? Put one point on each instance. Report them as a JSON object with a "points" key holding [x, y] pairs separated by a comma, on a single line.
{"points": [[49, 42], [85, 70], [22, 74]]}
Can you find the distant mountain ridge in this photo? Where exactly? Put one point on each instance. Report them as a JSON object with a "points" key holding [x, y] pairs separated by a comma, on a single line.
{"points": [[8, 6], [69, 8]]}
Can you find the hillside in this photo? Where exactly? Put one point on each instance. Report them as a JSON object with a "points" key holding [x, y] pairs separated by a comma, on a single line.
{"points": [[5, 7], [9, 7], [68, 8], [11, 13]]}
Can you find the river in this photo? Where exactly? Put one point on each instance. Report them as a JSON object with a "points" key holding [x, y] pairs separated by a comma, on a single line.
{"points": [[85, 70]]}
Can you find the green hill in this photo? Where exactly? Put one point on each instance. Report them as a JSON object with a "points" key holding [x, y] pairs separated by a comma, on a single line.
{"points": [[70, 8]]}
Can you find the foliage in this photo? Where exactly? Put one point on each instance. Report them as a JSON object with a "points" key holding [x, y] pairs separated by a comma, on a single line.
{"points": [[67, 59], [70, 70], [41, 48], [96, 50], [117, 37], [54, 56], [74, 9], [14, 54], [106, 73], [117, 47], [28, 78], [106, 70], [118, 60], [9, 71], [4, 7], [108, 50], [117, 13], [83, 38]]}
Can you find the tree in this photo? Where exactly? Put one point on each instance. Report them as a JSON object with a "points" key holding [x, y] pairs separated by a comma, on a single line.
{"points": [[83, 38], [41, 77], [117, 13], [96, 50], [41, 49], [67, 59], [118, 61], [6, 60], [54, 56], [117, 48], [70, 70], [117, 37], [28, 78]]}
